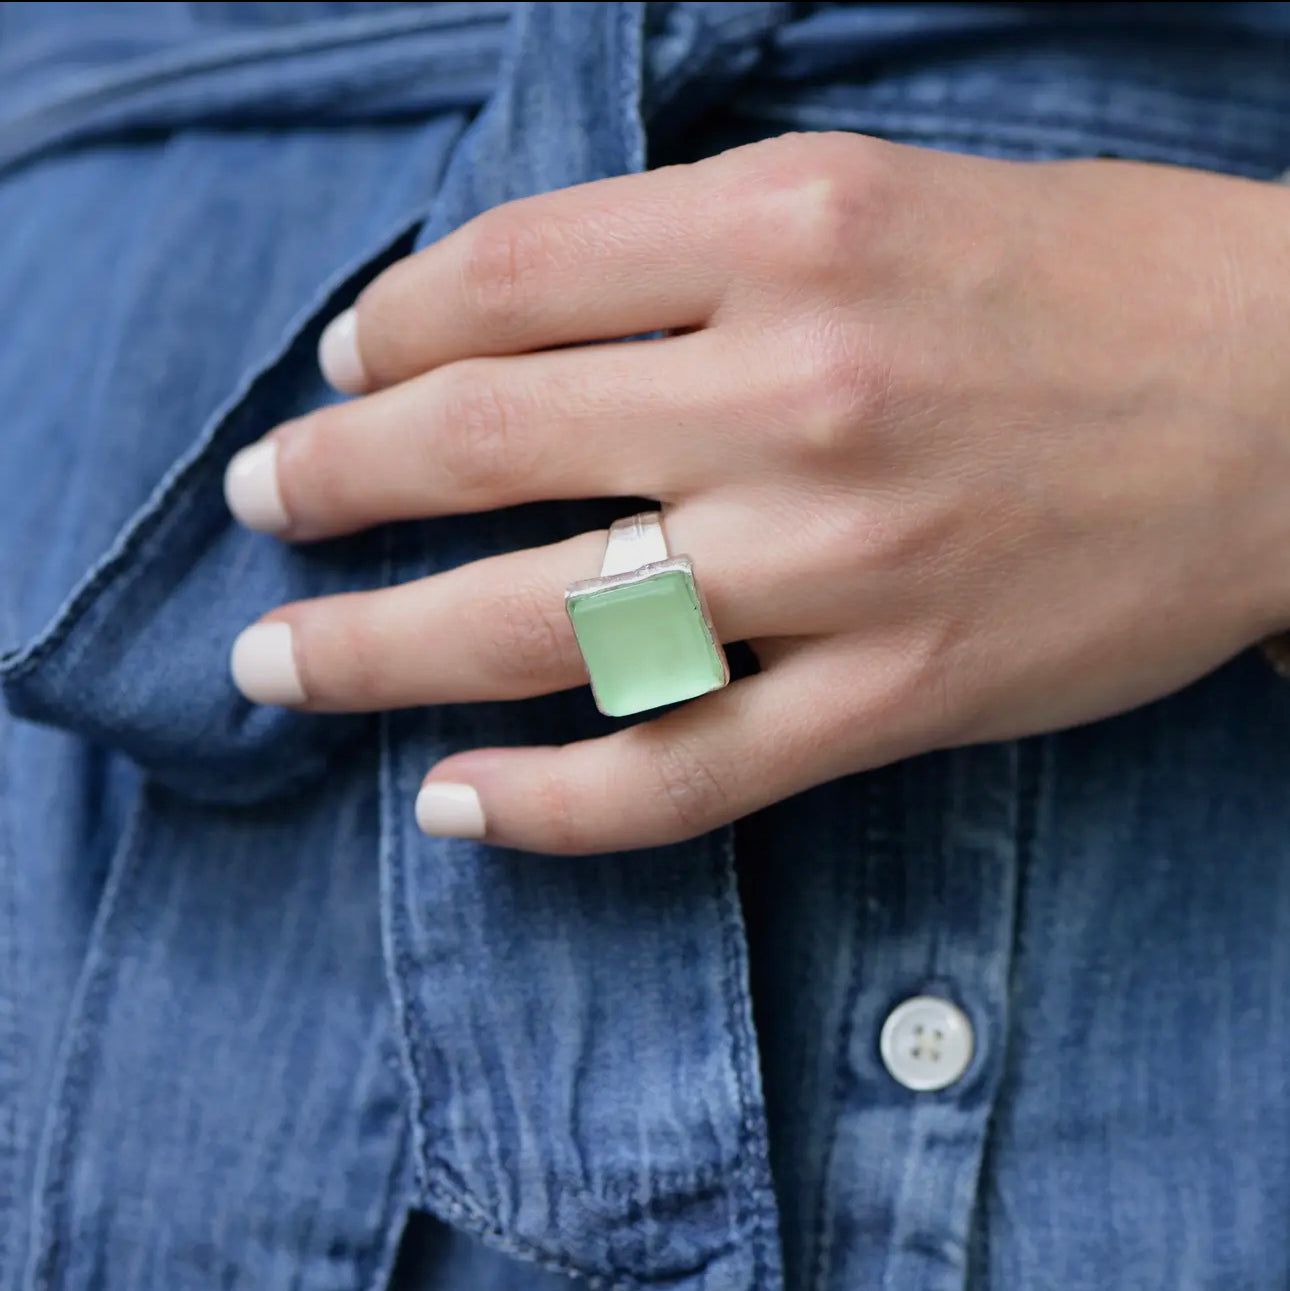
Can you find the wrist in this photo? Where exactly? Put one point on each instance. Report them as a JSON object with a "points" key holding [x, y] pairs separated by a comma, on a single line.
{"points": [[1254, 270], [1277, 645]]}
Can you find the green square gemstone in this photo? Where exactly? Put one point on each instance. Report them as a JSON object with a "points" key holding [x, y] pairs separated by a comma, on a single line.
{"points": [[646, 643]]}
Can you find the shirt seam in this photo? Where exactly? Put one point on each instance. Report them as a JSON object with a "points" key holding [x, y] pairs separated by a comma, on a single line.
{"points": [[10, 1033]]}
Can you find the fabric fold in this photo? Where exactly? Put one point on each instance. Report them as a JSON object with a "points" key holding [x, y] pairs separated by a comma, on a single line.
{"points": [[606, 1124]]}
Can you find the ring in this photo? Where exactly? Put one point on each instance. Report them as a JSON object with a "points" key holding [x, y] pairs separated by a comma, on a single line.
{"points": [[643, 626]]}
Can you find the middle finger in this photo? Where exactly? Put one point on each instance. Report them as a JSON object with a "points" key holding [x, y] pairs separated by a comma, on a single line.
{"points": [[647, 418]]}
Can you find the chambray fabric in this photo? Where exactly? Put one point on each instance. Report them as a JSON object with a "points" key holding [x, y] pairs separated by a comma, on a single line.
{"points": [[257, 1032]]}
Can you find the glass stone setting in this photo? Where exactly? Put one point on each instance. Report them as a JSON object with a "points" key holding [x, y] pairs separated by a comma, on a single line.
{"points": [[646, 638]]}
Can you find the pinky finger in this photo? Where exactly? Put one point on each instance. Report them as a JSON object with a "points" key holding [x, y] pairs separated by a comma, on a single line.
{"points": [[695, 768]]}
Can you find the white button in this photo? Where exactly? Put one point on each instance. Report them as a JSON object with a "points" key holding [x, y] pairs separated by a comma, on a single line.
{"points": [[926, 1043]]}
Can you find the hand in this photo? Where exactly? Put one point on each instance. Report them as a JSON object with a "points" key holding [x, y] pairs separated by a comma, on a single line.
{"points": [[964, 449]]}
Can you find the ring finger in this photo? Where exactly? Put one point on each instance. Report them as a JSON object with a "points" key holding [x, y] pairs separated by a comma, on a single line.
{"points": [[490, 630]]}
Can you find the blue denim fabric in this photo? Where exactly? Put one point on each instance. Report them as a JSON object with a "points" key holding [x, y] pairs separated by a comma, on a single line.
{"points": [[250, 1018]]}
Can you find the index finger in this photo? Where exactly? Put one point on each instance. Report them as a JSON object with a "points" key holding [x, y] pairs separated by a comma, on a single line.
{"points": [[606, 259]]}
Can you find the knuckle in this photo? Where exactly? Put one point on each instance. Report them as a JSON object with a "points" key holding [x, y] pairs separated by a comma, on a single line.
{"points": [[529, 641], [687, 789], [562, 812], [850, 542], [341, 661], [500, 275], [843, 382], [926, 696], [904, 539], [476, 447], [824, 195], [825, 226], [315, 473], [948, 715]]}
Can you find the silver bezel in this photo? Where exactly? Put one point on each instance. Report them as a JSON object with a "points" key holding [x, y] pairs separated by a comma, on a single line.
{"points": [[643, 574]]}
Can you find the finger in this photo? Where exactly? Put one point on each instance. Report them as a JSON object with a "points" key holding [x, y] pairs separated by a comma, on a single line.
{"points": [[599, 421], [612, 258], [693, 769], [496, 628], [493, 629]]}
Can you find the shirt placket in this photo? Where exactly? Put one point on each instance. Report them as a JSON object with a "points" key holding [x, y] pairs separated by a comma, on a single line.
{"points": [[923, 1029]]}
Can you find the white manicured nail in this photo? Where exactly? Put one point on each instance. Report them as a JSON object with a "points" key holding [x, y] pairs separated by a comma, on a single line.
{"points": [[264, 665], [450, 810], [251, 488], [338, 355]]}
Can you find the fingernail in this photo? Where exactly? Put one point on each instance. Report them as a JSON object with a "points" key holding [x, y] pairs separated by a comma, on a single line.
{"points": [[263, 663], [338, 355], [450, 810], [251, 488]]}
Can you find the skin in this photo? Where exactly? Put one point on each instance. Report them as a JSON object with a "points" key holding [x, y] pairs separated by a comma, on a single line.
{"points": [[966, 449]]}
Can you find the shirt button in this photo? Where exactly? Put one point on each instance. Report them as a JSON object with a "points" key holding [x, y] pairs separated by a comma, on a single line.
{"points": [[926, 1043]]}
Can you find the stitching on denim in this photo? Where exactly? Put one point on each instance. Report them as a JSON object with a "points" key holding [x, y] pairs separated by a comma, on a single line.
{"points": [[629, 54], [875, 800], [1032, 764], [375, 1270], [398, 962], [758, 1209], [126, 560], [403, 1177], [11, 1039], [448, 1196], [390, 910], [457, 1210], [164, 523], [708, 1176], [73, 1069]]}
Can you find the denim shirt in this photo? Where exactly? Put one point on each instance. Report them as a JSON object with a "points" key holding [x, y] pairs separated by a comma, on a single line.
{"points": [[250, 1017]]}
